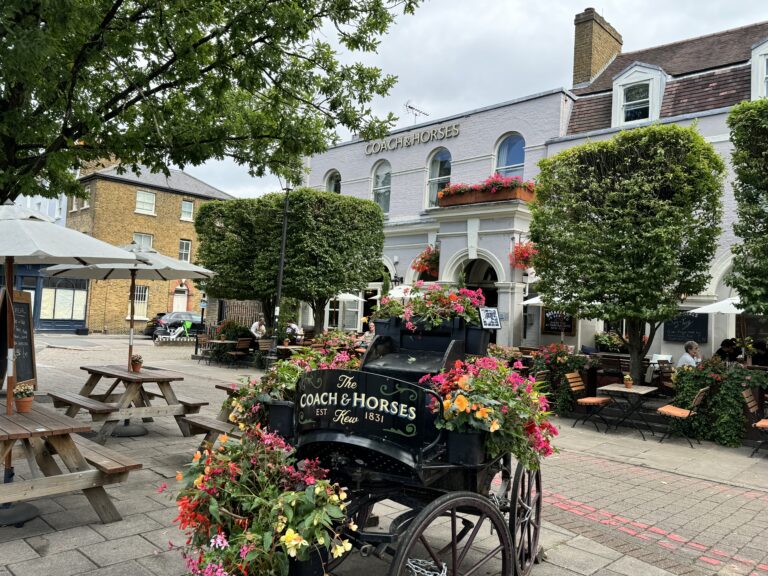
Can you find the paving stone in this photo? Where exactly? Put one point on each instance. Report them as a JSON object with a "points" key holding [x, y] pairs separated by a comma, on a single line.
{"points": [[31, 528], [71, 518], [166, 537], [62, 564], [593, 547], [135, 524], [164, 516], [168, 563], [548, 569], [17, 550], [62, 540], [130, 568], [576, 560], [120, 550], [632, 567]]}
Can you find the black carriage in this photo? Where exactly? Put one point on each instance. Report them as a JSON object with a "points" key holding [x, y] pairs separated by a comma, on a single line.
{"points": [[374, 429]]}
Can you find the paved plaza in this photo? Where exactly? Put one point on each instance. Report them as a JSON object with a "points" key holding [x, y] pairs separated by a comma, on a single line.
{"points": [[614, 505]]}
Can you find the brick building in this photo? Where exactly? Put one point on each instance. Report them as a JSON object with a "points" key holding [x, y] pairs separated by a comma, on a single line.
{"points": [[152, 210]]}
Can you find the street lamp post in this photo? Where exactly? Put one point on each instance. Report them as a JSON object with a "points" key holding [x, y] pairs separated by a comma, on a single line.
{"points": [[272, 356]]}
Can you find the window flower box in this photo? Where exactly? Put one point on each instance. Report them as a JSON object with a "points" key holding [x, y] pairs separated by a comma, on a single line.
{"points": [[497, 188]]}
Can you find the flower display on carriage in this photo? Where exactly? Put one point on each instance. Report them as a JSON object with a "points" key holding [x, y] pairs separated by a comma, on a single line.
{"points": [[490, 185], [485, 394], [522, 255], [430, 305], [249, 506], [428, 261]]}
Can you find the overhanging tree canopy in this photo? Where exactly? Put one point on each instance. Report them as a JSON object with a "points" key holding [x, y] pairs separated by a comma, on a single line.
{"points": [[626, 228], [334, 245], [180, 81], [749, 133]]}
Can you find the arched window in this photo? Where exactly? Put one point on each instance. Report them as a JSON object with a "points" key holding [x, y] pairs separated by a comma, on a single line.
{"points": [[510, 157], [382, 177], [439, 174], [333, 182]]}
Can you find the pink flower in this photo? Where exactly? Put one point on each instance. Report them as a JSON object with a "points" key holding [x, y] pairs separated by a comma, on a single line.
{"points": [[518, 365], [161, 488], [219, 541]]}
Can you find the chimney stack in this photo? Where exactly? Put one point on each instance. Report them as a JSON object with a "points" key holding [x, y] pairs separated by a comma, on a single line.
{"points": [[595, 46]]}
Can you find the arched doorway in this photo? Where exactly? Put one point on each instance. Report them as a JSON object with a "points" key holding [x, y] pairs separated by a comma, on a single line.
{"points": [[480, 273]]}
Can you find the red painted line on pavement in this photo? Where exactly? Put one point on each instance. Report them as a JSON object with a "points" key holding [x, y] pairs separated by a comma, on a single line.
{"points": [[667, 545], [762, 567], [720, 553], [658, 530], [621, 519], [697, 546], [676, 538], [710, 561], [628, 530], [746, 561]]}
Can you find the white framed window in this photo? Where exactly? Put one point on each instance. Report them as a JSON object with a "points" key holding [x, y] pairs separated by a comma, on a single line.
{"points": [[143, 240], [510, 156], [187, 210], [333, 182], [439, 174], [140, 298], [637, 102], [73, 204], [87, 199], [185, 250], [145, 202], [382, 185], [760, 71]]}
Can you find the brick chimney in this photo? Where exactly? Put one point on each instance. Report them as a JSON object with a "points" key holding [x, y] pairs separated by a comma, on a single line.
{"points": [[595, 45]]}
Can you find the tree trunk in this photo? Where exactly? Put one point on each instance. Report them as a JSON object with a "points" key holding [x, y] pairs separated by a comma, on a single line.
{"points": [[637, 349], [318, 309]]}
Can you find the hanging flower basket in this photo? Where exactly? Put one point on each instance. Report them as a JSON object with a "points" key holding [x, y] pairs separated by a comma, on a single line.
{"points": [[522, 255], [428, 261], [495, 189]]}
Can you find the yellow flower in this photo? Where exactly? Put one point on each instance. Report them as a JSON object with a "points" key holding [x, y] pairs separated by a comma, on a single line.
{"points": [[447, 404], [198, 481], [241, 426], [293, 541], [495, 425], [352, 526], [340, 549], [482, 413], [461, 403], [232, 417]]}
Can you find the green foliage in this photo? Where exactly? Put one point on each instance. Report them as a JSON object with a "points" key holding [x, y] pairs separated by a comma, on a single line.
{"points": [[608, 341], [334, 245], [749, 133], [627, 227], [232, 330], [558, 361], [180, 82], [721, 415]]}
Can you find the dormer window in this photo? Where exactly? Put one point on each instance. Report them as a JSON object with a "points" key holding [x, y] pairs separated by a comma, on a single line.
{"points": [[760, 70], [637, 102], [637, 95]]}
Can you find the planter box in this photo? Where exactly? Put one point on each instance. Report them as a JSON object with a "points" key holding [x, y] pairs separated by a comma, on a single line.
{"points": [[388, 327], [477, 340], [82, 331], [475, 197], [315, 566], [280, 414], [467, 448]]}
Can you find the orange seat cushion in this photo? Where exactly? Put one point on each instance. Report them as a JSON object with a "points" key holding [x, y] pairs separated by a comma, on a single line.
{"points": [[762, 424], [594, 401], [674, 411]]}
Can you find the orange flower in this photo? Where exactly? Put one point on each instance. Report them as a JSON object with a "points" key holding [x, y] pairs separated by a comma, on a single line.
{"points": [[463, 382], [461, 403], [494, 425], [453, 297], [197, 456], [482, 413], [223, 438], [440, 194], [179, 476], [447, 404]]}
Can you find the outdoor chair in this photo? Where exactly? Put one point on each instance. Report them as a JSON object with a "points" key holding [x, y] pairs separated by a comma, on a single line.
{"points": [[759, 424], [593, 404], [242, 350], [203, 348], [675, 414]]}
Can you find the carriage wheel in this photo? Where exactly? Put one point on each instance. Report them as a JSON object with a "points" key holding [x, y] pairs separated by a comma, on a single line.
{"points": [[525, 518], [458, 534]]}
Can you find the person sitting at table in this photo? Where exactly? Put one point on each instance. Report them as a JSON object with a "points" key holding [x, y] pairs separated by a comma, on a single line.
{"points": [[259, 327], [370, 335], [728, 352], [691, 355], [760, 355], [295, 333]]}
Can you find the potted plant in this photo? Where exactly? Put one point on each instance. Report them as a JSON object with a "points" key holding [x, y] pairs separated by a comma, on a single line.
{"points": [[250, 507], [489, 409], [428, 261], [23, 396], [522, 255], [136, 362], [493, 189], [628, 382]]}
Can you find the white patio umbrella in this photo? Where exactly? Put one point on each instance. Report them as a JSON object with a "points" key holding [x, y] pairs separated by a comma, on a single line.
{"points": [[401, 291], [28, 237], [152, 266], [728, 306], [347, 297]]}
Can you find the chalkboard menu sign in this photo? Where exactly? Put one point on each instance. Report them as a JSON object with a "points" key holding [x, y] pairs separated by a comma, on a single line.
{"points": [[556, 322], [686, 327], [3, 334], [24, 339]]}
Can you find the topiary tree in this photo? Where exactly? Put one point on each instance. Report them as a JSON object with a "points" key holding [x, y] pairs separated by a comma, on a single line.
{"points": [[180, 82], [334, 245], [749, 133], [626, 228]]}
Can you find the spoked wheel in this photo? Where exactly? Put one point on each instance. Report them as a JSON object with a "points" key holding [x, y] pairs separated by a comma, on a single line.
{"points": [[525, 518], [458, 534]]}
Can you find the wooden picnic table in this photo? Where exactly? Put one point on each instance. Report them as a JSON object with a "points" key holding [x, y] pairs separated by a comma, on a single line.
{"points": [[133, 400], [42, 433]]}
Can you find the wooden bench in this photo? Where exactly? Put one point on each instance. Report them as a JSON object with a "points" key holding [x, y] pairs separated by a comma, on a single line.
{"points": [[74, 402], [105, 459], [213, 427]]}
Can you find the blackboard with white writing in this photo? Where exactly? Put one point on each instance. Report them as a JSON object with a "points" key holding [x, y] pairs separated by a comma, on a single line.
{"points": [[3, 334], [687, 327], [24, 338], [555, 322]]}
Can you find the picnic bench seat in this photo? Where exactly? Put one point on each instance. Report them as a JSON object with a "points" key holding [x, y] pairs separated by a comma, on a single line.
{"points": [[189, 403], [211, 427], [72, 400], [105, 459]]}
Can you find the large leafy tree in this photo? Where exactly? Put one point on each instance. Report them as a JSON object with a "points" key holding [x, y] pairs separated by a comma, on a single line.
{"points": [[334, 245], [180, 82], [626, 228], [749, 133]]}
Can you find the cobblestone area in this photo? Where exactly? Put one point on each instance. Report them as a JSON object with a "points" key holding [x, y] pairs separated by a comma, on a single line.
{"points": [[614, 505]]}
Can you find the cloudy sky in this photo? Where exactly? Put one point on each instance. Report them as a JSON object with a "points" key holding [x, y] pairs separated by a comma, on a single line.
{"points": [[457, 55]]}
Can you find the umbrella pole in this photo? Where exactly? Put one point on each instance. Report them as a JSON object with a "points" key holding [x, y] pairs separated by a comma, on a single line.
{"points": [[130, 332]]}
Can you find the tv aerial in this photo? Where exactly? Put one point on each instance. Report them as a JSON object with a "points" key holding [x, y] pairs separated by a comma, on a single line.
{"points": [[411, 109]]}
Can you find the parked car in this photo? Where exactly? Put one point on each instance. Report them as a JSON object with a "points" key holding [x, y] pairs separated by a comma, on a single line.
{"points": [[153, 323], [173, 320]]}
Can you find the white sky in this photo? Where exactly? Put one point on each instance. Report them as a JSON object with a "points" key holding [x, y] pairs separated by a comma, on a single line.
{"points": [[457, 55]]}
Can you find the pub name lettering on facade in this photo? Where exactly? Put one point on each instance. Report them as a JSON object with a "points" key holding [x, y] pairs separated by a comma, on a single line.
{"points": [[408, 140]]}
